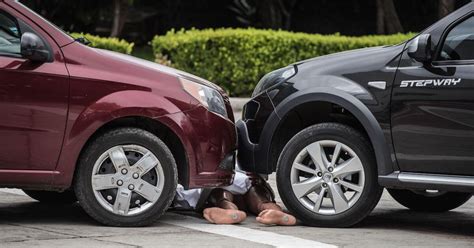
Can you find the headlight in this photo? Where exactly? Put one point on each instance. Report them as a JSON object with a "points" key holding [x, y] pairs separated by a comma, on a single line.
{"points": [[274, 78], [208, 97]]}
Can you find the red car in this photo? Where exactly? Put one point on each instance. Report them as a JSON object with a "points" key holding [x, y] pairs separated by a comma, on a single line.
{"points": [[114, 132]]}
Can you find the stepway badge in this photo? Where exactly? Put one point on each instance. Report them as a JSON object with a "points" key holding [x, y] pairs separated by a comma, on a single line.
{"points": [[430, 82]]}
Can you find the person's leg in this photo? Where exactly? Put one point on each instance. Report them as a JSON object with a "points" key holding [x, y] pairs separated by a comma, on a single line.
{"points": [[222, 210], [260, 201]]}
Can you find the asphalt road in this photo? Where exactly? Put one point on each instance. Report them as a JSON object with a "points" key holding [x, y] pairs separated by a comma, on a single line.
{"points": [[27, 223]]}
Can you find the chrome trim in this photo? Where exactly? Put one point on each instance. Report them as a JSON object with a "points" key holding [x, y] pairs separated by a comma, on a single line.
{"points": [[381, 85], [436, 179], [403, 68]]}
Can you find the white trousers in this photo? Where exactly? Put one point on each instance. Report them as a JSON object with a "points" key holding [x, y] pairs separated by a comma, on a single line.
{"points": [[188, 199]]}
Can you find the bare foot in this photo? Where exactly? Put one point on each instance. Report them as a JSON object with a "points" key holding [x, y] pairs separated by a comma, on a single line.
{"points": [[224, 216], [276, 217], [270, 205]]}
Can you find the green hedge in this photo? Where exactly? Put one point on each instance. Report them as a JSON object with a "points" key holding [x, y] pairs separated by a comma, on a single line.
{"points": [[237, 58], [113, 44]]}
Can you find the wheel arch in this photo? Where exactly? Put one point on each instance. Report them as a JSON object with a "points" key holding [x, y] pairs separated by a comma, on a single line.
{"points": [[122, 109], [328, 96], [159, 129]]}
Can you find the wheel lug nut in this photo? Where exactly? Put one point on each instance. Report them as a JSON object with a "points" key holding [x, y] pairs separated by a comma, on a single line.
{"points": [[330, 169], [325, 185], [320, 174], [119, 182], [124, 171], [336, 180], [136, 176], [131, 187]]}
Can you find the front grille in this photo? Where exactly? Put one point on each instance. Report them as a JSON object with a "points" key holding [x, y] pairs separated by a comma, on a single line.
{"points": [[228, 106], [250, 110]]}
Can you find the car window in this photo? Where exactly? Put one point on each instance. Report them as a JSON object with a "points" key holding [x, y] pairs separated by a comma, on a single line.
{"points": [[10, 35], [459, 43]]}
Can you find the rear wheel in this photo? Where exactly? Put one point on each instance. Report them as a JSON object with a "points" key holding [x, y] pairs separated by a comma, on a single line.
{"points": [[51, 197], [126, 177], [327, 176], [429, 200]]}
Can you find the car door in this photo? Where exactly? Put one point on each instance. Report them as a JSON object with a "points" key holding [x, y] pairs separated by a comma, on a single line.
{"points": [[33, 100], [433, 107]]}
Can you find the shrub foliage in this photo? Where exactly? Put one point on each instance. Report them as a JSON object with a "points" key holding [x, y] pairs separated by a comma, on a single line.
{"points": [[237, 58], [113, 44]]}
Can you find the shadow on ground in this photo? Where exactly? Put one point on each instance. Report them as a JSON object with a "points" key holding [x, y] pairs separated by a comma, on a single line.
{"points": [[447, 223]]}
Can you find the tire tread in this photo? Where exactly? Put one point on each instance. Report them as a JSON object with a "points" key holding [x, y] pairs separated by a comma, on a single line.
{"points": [[417, 202]]}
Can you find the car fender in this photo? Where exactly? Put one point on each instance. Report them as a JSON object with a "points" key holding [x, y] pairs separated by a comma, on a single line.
{"points": [[111, 107], [343, 99]]}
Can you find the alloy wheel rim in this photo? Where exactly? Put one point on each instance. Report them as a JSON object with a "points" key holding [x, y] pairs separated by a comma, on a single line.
{"points": [[327, 177], [127, 180]]}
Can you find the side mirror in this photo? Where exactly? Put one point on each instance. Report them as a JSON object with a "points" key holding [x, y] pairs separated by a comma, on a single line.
{"points": [[33, 48], [419, 48]]}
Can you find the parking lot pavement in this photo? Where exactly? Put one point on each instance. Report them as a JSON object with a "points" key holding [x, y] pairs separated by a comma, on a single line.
{"points": [[27, 223]]}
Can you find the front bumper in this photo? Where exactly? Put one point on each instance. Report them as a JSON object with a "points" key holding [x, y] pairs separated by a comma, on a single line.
{"points": [[210, 144], [254, 136], [246, 153]]}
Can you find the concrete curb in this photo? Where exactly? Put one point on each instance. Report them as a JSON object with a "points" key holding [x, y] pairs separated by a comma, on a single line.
{"points": [[238, 103]]}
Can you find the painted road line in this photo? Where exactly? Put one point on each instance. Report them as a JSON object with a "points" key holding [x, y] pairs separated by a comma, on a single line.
{"points": [[243, 233], [13, 191]]}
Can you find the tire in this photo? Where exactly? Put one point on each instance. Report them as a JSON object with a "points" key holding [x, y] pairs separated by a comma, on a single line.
{"points": [[51, 197], [426, 201], [359, 189], [104, 186]]}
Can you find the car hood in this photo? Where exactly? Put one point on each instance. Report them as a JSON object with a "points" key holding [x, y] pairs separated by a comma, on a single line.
{"points": [[354, 60], [156, 67]]}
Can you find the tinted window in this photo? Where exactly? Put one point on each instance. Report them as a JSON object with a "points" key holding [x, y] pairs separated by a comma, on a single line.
{"points": [[10, 35], [459, 44]]}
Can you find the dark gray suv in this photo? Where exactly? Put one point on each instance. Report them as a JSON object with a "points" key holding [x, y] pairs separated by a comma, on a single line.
{"points": [[339, 128]]}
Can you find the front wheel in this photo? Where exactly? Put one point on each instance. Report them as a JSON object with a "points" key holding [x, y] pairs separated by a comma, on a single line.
{"points": [[429, 200], [327, 176], [126, 177]]}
